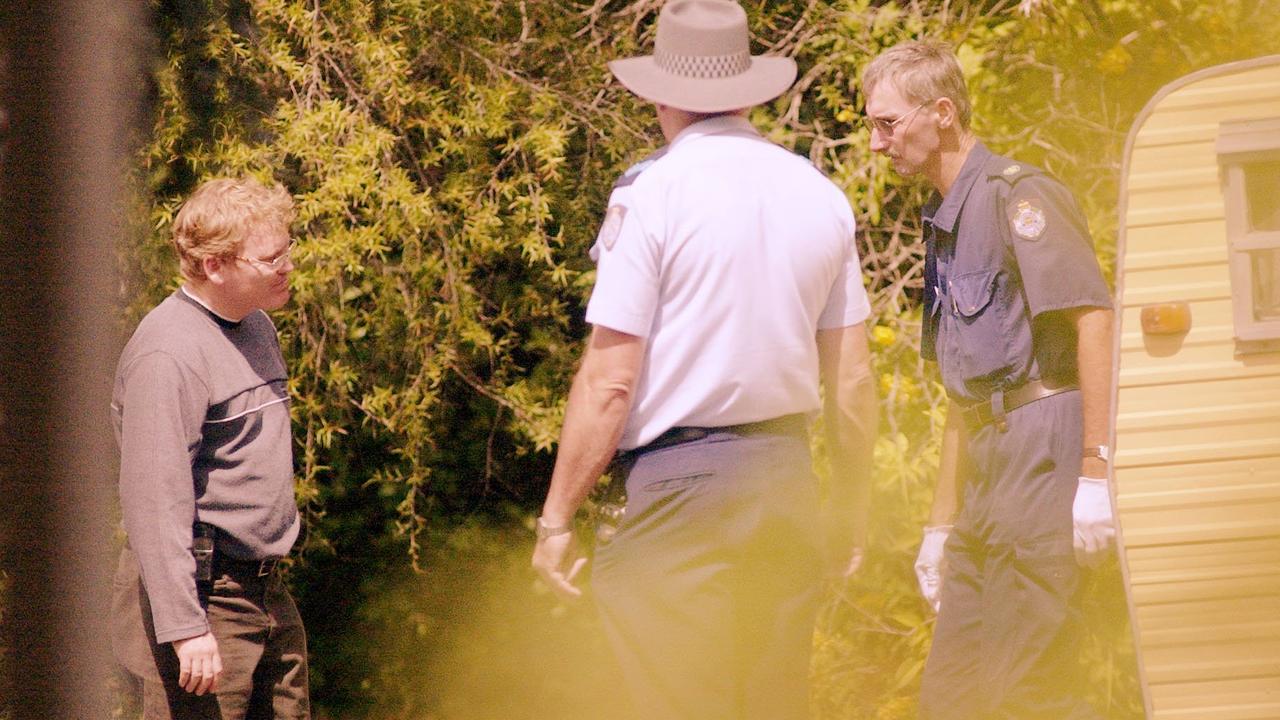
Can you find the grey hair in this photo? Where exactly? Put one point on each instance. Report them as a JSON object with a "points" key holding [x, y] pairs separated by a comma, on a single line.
{"points": [[923, 71]]}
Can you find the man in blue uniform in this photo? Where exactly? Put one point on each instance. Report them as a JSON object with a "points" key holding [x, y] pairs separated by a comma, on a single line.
{"points": [[1018, 317], [727, 282]]}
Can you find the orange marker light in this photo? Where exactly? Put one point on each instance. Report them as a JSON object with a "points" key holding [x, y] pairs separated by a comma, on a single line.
{"points": [[1166, 319]]}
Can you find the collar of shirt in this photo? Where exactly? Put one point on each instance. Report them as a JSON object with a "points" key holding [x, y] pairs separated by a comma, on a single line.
{"points": [[941, 212], [200, 301], [718, 125]]}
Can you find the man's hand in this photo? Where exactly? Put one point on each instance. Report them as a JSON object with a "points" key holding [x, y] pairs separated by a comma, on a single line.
{"points": [[199, 664], [557, 561], [846, 543], [931, 563], [848, 566], [1093, 524]]}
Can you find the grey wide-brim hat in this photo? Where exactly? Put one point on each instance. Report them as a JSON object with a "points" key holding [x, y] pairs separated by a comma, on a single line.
{"points": [[702, 61]]}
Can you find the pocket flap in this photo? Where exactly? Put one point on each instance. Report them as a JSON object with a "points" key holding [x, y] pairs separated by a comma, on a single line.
{"points": [[972, 292]]}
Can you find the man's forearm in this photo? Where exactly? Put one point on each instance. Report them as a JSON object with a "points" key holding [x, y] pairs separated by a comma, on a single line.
{"points": [[946, 495], [593, 423], [852, 415], [1093, 357], [594, 418], [852, 422]]}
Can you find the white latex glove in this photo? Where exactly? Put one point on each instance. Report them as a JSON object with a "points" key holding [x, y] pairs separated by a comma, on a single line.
{"points": [[930, 564], [1093, 524]]}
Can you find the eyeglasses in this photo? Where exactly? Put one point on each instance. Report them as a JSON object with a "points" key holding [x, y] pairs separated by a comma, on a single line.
{"points": [[275, 263], [886, 127]]}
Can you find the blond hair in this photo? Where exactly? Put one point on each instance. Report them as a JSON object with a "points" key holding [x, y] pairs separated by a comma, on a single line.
{"points": [[215, 220], [923, 71]]}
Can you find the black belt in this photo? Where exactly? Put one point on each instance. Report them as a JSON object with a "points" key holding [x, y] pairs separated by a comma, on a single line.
{"points": [[1003, 402], [215, 562], [238, 568], [797, 424]]}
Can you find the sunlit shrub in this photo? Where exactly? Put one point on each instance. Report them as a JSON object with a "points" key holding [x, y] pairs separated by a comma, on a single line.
{"points": [[451, 160]]}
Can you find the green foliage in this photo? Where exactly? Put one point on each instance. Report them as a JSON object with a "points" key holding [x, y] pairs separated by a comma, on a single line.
{"points": [[442, 229], [451, 160]]}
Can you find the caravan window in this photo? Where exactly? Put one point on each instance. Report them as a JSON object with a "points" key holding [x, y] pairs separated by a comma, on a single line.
{"points": [[1262, 195], [1249, 155], [1266, 285]]}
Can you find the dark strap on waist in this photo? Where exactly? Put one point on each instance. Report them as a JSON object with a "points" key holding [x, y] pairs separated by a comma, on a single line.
{"points": [[244, 569], [797, 424], [222, 563], [981, 413]]}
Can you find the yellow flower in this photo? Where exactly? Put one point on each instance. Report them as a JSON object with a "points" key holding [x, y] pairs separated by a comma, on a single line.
{"points": [[886, 383], [883, 336], [908, 390], [844, 115], [1115, 61]]}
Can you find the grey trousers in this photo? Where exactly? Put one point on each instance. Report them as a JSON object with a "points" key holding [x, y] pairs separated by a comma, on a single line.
{"points": [[1006, 644], [260, 638], [709, 589]]}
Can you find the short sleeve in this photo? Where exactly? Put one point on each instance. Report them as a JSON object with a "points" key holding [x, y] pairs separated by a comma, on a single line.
{"points": [[1051, 242], [625, 296], [848, 303]]}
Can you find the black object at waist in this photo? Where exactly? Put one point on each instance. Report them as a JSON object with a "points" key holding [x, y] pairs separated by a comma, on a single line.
{"points": [[979, 414], [241, 569], [796, 424], [224, 564]]}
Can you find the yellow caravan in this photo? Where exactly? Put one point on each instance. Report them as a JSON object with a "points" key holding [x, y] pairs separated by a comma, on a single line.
{"points": [[1197, 393]]}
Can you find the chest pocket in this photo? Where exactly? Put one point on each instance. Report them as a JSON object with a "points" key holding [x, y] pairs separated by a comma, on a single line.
{"points": [[977, 345], [972, 293]]}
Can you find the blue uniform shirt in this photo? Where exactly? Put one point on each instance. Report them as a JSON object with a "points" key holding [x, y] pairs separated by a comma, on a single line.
{"points": [[1005, 248]]}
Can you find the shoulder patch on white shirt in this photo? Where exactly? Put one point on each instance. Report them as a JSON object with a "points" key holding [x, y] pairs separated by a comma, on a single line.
{"points": [[611, 226]]}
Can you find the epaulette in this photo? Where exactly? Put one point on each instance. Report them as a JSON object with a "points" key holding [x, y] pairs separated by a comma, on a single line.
{"points": [[1008, 170], [634, 171]]}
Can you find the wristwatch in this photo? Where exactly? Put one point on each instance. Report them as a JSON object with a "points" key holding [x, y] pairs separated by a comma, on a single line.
{"points": [[543, 530], [1098, 451]]}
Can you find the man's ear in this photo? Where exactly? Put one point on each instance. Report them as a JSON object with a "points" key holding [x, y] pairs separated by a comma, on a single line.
{"points": [[214, 268], [946, 110]]}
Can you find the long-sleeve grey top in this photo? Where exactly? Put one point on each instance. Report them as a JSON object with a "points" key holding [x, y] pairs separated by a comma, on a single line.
{"points": [[201, 414]]}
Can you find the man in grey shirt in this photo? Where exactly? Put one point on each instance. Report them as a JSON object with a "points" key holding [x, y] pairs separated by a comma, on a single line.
{"points": [[201, 410]]}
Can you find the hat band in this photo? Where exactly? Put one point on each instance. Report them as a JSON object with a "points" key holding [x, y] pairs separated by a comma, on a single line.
{"points": [[703, 66]]}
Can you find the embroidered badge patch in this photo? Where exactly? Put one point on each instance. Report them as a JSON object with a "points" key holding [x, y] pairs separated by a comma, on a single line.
{"points": [[1028, 220], [611, 226]]}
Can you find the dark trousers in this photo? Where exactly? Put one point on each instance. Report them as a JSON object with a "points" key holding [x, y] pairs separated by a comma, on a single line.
{"points": [[1006, 644], [260, 639], [709, 589]]}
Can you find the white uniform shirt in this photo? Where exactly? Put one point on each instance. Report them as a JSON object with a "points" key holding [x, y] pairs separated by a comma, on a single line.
{"points": [[727, 253]]}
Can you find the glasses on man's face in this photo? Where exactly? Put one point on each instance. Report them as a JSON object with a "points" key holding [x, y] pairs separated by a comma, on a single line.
{"points": [[885, 126], [274, 263]]}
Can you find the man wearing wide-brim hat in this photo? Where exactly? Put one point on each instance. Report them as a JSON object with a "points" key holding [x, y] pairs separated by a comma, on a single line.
{"points": [[727, 278]]}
